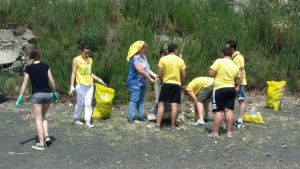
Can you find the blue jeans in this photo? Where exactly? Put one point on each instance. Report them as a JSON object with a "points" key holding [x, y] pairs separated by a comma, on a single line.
{"points": [[137, 94], [241, 94]]}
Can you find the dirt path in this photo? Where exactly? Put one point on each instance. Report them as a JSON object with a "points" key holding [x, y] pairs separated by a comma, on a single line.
{"points": [[116, 144]]}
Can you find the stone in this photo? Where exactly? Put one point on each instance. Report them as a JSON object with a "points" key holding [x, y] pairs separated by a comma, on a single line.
{"points": [[14, 48]]}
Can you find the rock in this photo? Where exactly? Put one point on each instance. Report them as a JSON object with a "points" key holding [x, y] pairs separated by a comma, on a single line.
{"points": [[14, 47], [28, 35], [7, 35], [8, 56], [3, 98]]}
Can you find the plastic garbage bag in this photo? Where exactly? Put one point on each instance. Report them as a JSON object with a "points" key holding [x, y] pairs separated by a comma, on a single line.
{"points": [[275, 94], [253, 117], [104, 97]]}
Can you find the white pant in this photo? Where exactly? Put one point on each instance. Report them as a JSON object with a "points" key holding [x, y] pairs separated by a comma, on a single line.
{"points": [[84, 95]]}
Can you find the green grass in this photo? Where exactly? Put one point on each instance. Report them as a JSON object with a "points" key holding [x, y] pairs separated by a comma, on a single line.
{"points": [[10, 82], [267, 33]]}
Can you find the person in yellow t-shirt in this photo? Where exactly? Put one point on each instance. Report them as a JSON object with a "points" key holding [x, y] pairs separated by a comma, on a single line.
{"points": [[200, 90], [239, 60], [171, 72], [82, 73], [157, 86], [226, 75]]}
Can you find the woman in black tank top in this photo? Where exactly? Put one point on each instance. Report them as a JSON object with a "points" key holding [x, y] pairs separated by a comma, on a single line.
{"points": [[40, 76]]}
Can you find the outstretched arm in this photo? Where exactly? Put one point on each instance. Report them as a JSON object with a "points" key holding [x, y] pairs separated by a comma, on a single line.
{"points": [[160, 74], [142, 72], [74, 67], [212, 73], [241, 73], [183, 76], [237, 82], [152, 74], [51, 80], [24, 84], [98, 79], [193, 96]]}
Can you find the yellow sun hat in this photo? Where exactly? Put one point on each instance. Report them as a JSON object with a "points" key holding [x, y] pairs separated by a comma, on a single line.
{"points": [[135, 48]]}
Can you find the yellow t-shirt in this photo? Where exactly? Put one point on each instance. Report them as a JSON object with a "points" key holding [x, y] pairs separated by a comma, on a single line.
{"points": [[172, 66], [227, 71], [84, 71], [239, 60], [197, 84]]}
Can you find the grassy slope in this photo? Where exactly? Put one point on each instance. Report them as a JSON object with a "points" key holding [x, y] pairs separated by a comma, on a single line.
{"points": [[267, 34]]}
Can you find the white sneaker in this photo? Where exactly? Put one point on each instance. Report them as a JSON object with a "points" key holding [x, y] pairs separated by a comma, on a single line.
{"points": [[199, 123], [213, 135], [175, 128], [229, 134], [89, 125], [38, 146], [151, 116], [78, 122]]}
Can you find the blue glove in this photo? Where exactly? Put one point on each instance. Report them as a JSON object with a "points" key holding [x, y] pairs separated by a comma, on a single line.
{"points": [[19, 101], [55, 97]]}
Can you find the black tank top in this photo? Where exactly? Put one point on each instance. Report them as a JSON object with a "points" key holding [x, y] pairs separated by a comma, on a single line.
{"points": [[38, 74]]}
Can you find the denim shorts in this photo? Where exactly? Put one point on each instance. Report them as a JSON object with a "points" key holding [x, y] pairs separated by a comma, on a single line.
{"points": [[241, 94], [42, 98]]}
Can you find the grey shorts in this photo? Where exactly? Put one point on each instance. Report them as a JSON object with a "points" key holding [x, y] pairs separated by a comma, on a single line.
{"points": [[42, 98], [205, 93]]}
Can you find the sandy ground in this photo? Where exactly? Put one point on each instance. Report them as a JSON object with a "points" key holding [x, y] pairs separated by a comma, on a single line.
{"points": [[116, 144]]}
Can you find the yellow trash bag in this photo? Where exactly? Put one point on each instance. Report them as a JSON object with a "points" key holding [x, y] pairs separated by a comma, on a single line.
{"points": [[275, 94], [253, 118], [104, 97]]}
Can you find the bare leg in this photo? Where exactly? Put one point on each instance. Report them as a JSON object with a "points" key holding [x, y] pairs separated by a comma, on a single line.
{"points": [[200, 109], [217, 121], [206, 108], [160, 113], [196, 112], [229, 119], [173, 114], [37, 109], [242, 104], [45, 122]]}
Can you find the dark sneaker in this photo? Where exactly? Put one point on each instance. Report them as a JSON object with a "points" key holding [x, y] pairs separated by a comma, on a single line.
{"points": [[38, 146], [142, 120], [207, 119], [153, 127], [238, 124], [47, 141], [131, 121]]}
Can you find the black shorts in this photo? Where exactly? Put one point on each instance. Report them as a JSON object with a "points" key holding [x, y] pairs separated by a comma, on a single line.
{"points": [[170, 93], [223, 98]]}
